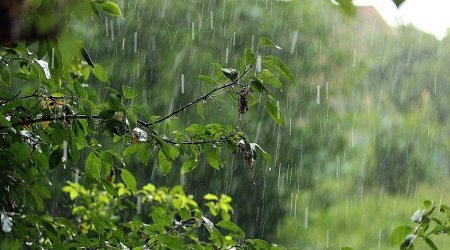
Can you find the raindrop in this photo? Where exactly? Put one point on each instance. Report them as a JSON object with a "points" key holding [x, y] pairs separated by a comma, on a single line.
{"points": [[234, 38], [64, 158], [379, 239], [306, 218], [338, 167], [326, 91], [434, 86], [107, 27], [294, 41], [138, 204], [226, 55], [53, 58], [373, 33], [253, 41], [318, 94], [328, 239], [193, 31], [112, 30], [212, 20], [135, 42], [182, 83], [354, 57], [258, 64], [123, 43], [77, 175]]}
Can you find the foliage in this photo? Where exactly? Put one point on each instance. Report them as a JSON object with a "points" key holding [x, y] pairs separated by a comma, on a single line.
{"points": [[54, 121], [429, 223], [164, 218]]}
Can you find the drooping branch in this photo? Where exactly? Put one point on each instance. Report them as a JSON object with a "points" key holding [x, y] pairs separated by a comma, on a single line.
{"points": [[201, 98]]}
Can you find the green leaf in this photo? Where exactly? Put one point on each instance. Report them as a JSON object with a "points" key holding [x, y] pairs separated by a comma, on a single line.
{"points": [[128, 92], [93, 165], [257, 85], [44, 65], [189, 165], [250, 58], [264, 41], [273, 63], [171, 242], [201, 109], [4, 74], [55, 158], [111, 8], [399, 234], [110, 188], [164, 163], [430, 243], [210, 197], [398, 2], [100, 73], [274, 112], [128, 178], [266, 155], [20, 151], [185, 214], [213, 159], [268, 77], [216, 237], [231, 74], [230, 226], [346, 248], [260, 244], [206, 79]]}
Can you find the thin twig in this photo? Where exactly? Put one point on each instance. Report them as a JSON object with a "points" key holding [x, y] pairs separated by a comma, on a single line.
{"points": [[6, 100], [203, 97], [220, 139]]}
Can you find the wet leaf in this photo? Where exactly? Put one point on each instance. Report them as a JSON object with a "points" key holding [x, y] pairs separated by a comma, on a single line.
{"points": [[399, 234], [273, 63], [274, 112], [212, 157], [210, 197], [264, 41], [230, 226], [231, 74], [207, 223], [189, 165], [44, 65], [111, 8], [129, 92], [5, 75], [55, 158], [185, 214], [164, 163], [201, 110], [128, 179], [93, 165], [250, 57], [170, 242], [100, 73], [430, 243]]}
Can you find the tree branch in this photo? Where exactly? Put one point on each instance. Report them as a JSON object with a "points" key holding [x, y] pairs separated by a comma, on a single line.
{"points": [[140, 122], [221, 139], [203, 97]]}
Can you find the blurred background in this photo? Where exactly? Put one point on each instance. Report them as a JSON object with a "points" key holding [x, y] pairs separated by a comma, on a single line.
{"points": [[366, 134]]}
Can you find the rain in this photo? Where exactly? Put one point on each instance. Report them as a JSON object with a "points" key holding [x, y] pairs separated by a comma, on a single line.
{"points": [[341, 156]]}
